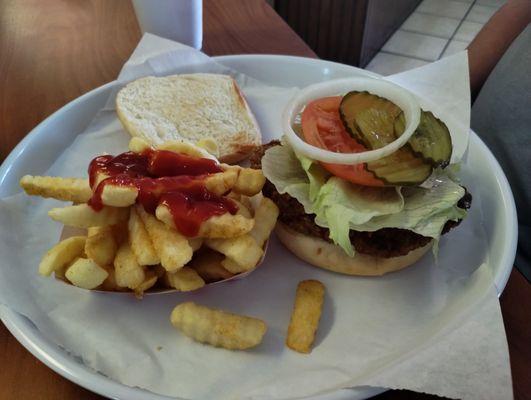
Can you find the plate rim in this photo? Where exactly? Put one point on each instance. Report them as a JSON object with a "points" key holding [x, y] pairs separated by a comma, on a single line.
{"points": [[62, 363]]}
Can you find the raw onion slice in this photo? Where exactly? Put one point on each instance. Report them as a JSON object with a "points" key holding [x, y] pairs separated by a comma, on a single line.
{"points": [[398, 95]]}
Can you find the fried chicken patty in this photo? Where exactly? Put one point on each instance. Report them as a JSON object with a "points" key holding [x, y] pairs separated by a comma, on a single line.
{"points": [[385, 243]]}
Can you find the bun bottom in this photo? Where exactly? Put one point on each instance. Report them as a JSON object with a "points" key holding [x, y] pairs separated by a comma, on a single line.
{"points": [[326, 255]]}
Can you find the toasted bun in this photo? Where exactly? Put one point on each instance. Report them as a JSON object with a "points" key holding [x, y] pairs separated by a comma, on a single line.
{"points": [[190, 108], [329, 256]]}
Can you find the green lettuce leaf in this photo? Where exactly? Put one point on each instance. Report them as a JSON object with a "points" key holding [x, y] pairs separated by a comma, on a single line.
{"points": [[341, 206], [425, 210], [283, 169]]}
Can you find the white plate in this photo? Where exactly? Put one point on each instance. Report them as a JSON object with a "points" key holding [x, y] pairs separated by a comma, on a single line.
{"points": [[39, 149]]}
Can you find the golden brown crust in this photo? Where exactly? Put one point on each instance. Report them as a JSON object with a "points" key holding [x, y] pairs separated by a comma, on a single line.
{"points": [[242, 149], [305, 316]]}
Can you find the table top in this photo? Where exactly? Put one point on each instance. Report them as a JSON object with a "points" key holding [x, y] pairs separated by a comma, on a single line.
{"points": [[52, 52]]}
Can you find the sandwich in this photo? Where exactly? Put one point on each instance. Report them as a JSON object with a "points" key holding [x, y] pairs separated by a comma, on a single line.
{"points": [[366, 218]]}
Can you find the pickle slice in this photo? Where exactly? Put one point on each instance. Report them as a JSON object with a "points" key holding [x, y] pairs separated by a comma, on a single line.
{"points": [[402, 167], [431, 140], [376, 126], [355, 102], [375, 122]]}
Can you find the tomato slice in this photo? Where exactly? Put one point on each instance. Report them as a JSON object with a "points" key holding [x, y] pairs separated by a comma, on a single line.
{"points": [[322, 127]]}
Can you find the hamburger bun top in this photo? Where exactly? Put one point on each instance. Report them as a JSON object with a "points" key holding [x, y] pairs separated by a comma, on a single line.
{"points": [[190, 107]]}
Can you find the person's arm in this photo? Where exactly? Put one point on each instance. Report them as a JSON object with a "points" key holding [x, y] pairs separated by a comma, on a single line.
{"points": [[494, 38]]}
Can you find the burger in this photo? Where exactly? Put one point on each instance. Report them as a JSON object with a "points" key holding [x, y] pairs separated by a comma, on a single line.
{"points": [[362, 179]]}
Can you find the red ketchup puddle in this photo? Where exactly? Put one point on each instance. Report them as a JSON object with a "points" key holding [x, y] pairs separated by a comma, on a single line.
{"points": [[163, 177]]}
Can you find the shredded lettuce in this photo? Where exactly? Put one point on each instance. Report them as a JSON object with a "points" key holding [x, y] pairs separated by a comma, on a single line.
{"points": [[341, 206]]}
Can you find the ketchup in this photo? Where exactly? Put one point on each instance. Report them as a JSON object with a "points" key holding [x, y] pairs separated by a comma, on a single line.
{"points": [[163, 177], [195, 204]]}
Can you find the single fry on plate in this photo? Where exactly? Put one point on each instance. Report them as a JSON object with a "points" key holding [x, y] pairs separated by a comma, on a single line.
{"points": [[305, 316], [218, 328]]}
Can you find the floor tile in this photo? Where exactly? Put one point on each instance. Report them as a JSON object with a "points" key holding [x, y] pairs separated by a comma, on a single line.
{"points": [[431, 25], [388, 64], [467, 31], [444, 8], [491, 3], [455, 46], [480, 14], [427, 48]]}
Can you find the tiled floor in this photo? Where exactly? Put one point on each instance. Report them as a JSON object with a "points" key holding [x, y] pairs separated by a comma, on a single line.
{"points": [[437, 28]]}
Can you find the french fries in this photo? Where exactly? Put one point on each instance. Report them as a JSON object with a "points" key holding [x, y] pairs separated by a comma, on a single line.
{"points": [[218, 226], [265, 220], [149, 282], [207, 263], [67, 189], [187, 148], [243, 209], [138, 145], [128, 273], [209, 145], [86, 274], [184, 279], [62, 254], [195, 243], [249, 182], [119, 196], [172, 247], [83, 216], [121, 247], [140, 241], [100, 245], [218, 328], [221, 182], [109, 284], [305, 316], [242, 251]]}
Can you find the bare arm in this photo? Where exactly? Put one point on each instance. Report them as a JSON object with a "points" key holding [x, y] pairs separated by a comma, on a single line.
{"points": [[495, 38]]}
